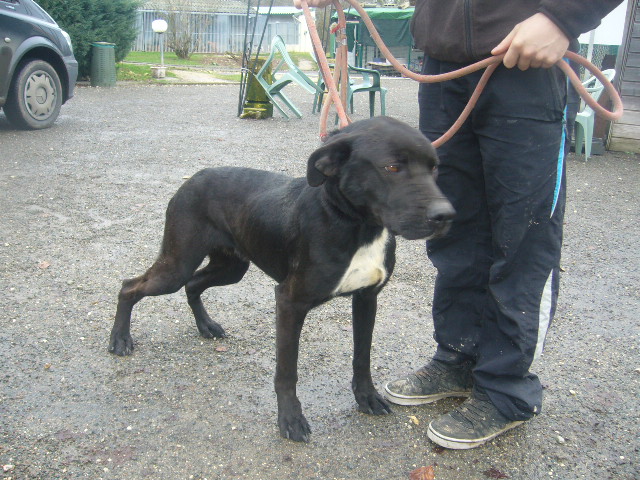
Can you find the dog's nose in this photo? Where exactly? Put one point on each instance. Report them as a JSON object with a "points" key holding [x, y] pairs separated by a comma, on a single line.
{"points": [[440, 212]]}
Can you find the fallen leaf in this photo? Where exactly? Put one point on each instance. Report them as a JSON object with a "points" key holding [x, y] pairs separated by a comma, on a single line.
{"points": [[414, 420], [221, 349], [423, 473], [495, 473], [44, 265]]}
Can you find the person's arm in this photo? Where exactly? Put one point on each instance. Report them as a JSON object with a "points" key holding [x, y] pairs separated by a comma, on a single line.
{"points": [[542, 39], [313, 3], [575, 17]]}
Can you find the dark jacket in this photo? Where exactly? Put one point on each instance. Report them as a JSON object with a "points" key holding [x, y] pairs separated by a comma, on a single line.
{"points": [[467, 30]]}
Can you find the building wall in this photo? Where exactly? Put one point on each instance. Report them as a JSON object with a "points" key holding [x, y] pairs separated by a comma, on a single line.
{"points": [[625, 133], [223, 32]]}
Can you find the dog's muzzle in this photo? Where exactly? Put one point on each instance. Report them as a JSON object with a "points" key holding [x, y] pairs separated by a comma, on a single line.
{"points": [[439, 217], [431, 223]]}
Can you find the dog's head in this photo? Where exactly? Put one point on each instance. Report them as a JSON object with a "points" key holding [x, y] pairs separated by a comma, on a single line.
{"points": [[386, 171]]}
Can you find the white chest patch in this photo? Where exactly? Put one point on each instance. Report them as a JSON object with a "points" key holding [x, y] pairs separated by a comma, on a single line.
{"points": [[366, 267]]}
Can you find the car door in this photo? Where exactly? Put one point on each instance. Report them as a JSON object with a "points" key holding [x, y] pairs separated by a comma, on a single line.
{"points": [[13, 31]]}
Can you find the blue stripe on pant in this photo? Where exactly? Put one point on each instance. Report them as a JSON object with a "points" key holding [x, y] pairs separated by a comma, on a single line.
{"points": [[497, 281]]}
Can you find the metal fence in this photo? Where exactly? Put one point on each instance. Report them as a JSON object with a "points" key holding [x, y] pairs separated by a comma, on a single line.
{"points": [[216, 32]]}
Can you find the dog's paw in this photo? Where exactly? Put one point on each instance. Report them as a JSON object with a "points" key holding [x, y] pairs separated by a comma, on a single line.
{"points": [[121, 345], [373, 403], [294, 427], [211, 329]]}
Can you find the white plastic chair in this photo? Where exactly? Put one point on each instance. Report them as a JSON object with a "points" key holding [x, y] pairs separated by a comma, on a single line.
{"points": [[585, 118]]}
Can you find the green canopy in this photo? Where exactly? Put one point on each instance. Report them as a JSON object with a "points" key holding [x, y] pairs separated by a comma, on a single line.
{"points": [[385, 13], [392, 25]]}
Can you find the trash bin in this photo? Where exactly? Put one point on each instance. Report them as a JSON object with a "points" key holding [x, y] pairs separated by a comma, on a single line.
{"points": [[103, 64]]}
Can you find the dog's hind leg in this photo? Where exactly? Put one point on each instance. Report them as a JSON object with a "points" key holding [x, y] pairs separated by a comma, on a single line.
{"points": [[166, 275], [222, 269]]}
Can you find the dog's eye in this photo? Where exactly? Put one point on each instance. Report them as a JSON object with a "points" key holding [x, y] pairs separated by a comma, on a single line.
{"points": [[393, 168]]}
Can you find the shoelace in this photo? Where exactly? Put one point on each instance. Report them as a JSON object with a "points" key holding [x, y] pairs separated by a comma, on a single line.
{"points": [[473, 412], [431, 371]]}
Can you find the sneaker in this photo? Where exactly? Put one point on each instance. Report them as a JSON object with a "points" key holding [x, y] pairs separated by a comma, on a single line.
{"points": [[473, 423], [434, 381]]}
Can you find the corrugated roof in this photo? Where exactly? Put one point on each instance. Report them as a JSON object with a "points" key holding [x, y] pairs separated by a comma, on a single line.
{"points": [[220, 6]]}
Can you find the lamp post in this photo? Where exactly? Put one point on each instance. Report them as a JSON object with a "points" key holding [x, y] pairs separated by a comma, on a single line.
{"points": [[159, 26]]}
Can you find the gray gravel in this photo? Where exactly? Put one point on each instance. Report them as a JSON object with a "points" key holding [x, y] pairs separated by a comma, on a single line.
{"points": [[82, 208]]}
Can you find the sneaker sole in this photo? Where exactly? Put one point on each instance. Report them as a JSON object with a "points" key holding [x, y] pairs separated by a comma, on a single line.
{"points": [[459, 444], [410, 400]]}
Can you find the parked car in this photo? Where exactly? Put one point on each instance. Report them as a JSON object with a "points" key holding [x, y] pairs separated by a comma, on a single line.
{"points": [[38, 71]]}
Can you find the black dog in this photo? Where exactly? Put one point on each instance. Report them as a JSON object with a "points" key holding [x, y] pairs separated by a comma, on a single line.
{"points": [[327, 235]]}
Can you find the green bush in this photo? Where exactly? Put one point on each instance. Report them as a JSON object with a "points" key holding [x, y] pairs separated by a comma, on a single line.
{"points": [[89, 21]]}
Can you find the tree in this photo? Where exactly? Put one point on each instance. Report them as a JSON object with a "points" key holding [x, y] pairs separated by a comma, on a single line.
{"points": [[180, 34], [89, 21]]}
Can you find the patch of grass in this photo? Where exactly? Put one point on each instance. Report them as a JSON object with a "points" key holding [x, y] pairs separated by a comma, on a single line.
{"points": [[170, 58], [202, 59], [297, 56], [232, 77], [136, 73]]}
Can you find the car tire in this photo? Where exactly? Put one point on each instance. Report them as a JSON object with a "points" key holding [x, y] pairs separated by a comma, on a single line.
{"points": [[35, 96]]}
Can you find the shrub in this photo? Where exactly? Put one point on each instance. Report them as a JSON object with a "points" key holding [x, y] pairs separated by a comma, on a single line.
{"points": [[89, 21]]}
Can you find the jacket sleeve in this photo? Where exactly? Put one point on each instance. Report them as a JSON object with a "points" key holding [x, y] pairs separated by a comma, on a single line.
{"points": [[575, 17]]}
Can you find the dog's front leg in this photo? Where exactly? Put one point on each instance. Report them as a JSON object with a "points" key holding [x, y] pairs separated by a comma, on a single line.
{"points": [[364, 306], [290, 317]]}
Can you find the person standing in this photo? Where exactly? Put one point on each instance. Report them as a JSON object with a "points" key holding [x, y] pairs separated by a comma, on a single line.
{"points": [[498, 267]]}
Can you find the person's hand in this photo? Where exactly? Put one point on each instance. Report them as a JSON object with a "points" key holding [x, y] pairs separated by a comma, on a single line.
{"points": [[535, 42], [313, 3]]}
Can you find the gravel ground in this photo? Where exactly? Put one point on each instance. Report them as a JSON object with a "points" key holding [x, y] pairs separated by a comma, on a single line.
{"points": [[82, 208]]}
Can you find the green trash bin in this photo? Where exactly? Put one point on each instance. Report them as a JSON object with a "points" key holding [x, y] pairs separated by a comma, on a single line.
{"points": [[103, 64]]}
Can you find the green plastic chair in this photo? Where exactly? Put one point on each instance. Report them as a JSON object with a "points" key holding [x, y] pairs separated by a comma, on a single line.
{"points": [[273, 88], [370, 83], [585, 118]]}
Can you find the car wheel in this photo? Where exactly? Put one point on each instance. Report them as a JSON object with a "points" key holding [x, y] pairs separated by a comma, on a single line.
{"points": [[35, 96]]}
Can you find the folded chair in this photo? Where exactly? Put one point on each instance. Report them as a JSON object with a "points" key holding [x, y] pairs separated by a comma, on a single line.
{"points": [[585, 118], [273, 85]]}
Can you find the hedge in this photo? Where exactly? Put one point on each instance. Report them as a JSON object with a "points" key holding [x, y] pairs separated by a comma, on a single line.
{"points": [[88, 21]]}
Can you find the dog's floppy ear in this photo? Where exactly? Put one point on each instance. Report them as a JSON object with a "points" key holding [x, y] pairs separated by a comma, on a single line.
{"points": [[327, 160]]}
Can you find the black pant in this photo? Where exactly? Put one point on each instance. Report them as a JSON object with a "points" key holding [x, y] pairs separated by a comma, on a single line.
{"points": [[497, 281]]}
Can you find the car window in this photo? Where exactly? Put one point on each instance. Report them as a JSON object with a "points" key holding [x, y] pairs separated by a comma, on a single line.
{"points": [[37, 11], [13, 6]]}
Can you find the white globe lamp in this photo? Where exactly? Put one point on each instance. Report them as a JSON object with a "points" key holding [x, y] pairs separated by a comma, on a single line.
{"points": [[160, 26]]}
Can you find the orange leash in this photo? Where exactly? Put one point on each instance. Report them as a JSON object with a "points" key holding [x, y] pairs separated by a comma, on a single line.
{"points": [[490, 64], [329, 79]]}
